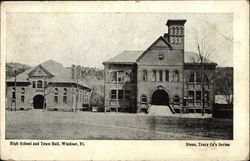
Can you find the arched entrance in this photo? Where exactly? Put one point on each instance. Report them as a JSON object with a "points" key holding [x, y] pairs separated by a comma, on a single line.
{"points": [[38, 101], [160, 97]]}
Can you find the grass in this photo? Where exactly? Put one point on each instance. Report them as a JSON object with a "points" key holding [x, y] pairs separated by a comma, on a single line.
{"points": [[109, 126]]}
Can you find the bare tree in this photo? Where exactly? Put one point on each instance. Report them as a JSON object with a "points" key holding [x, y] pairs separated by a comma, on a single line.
{"points": [[47, 88], [204, 74]]}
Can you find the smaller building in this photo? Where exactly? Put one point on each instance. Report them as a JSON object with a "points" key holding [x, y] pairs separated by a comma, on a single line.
{"points": [[48, 86]]}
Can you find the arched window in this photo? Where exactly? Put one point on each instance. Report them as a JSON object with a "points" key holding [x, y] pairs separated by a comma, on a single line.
{"points": [[154, 76], [177, 30], [174, 31], [33, 84], [56, 95], [143, 99], [65, 95], [22, 90], [176, 76], [176, 40], [191, 78], [113, 76], [160, 75], [182, 30], [120, 76], [144, 75], [176, 100], [39, 84], [167, 75], [22, 94], [198, 77]]}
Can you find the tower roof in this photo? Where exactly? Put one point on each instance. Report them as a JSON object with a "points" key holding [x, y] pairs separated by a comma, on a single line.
{"points": [[176, 21]]}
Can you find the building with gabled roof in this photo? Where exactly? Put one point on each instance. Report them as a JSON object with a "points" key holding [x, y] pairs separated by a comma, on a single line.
{"points": [[163, 74], [49, 86]]}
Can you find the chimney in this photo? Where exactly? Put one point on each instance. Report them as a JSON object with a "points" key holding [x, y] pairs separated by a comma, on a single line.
{"points": [[176, 33], [73, 68]]}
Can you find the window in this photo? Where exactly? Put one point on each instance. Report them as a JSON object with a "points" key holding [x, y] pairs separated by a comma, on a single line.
{"points": [[22, 94], [127, 94], [144, 75], [22, 90], [176, 40], [143, 99], [114, 76], [176, 100], [64, 99], [160, 56], [13, 93], [120, 94], [174, 31], [56, 91], [191, 78], [160, 75], [198, 77], [120, 76], [39, 84], [172, 40], [177, 31], [34, 84], [65, 91], [198, 96], [176, 76], [179, 40], [167, 75], [56, 99], [56, 95], [65, 95], [190, 98], [154, 76], [22, 98], [113, 94]]}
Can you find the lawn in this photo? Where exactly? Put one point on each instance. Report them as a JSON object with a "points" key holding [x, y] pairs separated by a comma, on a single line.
{"points": [[36, 124]]}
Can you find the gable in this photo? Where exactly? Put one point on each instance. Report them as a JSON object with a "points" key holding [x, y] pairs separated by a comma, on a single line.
{"points": [[160, 44], [39, 71]]}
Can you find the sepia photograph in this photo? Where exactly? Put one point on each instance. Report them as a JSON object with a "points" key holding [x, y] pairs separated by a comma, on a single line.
{"points": [[122, 76]]}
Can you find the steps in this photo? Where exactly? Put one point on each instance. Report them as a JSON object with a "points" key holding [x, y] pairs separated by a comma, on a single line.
{"points": [[160, 110]]}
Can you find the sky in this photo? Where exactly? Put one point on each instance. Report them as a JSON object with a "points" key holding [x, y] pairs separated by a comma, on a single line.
{"points": [[88, 39]]}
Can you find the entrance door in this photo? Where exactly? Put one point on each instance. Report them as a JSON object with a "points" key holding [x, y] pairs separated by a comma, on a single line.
{"points": [[160, 97], [38, 102]]}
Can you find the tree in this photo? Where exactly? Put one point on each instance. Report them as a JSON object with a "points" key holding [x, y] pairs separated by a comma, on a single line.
{"points": [[224, 84], [47, 88], [205, 75]]}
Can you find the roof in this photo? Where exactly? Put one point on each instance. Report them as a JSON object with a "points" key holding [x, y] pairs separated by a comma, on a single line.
{"points": [[59, 72], [192, 57], [127, 56], [130, 56], [174, 21]]}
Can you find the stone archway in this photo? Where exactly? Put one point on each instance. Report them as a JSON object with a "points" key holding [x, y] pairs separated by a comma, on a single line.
{"points": [[160, 97], [38, 101]]}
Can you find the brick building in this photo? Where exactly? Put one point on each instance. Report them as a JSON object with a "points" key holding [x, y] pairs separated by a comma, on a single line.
{"points": [[52, 80], [163, 74]]}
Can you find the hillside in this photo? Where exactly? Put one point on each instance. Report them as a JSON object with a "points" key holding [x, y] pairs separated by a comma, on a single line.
{"points": [[11, 67]]}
